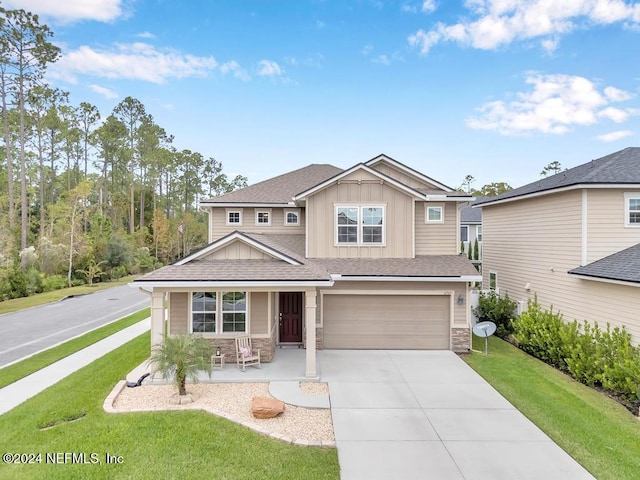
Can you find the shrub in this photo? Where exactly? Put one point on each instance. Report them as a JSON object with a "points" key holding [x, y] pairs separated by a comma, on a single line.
{"points": [[53, 282], [496, 309]]}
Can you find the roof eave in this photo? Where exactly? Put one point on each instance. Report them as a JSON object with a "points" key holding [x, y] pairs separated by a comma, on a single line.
{"points": [[594, 278], [165, 284], [406, 278]]}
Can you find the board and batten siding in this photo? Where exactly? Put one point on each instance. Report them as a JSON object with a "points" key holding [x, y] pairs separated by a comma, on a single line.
{"points": [[238, 250], [259, 313], [606, 230], [436, 238], [178, 313], [365, 189], [218, 227]]}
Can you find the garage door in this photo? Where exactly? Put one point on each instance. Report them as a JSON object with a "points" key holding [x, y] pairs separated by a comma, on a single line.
{"points": [[386, 321]]}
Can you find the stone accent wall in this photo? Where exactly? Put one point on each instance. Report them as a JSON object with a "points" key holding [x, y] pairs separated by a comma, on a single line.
{"points": [[460, 339], [228, 347], [319, 338]]}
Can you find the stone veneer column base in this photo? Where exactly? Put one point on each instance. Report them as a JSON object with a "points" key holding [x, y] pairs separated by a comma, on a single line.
{"points": [[319, 338], [461, 339], [228, 347]]}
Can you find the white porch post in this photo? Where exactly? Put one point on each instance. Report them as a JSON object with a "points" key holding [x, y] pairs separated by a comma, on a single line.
{"points": [[157, 318], [310, 324]]}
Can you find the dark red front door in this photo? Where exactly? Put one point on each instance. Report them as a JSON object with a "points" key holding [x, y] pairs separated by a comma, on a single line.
{"points": [[290, 317]]}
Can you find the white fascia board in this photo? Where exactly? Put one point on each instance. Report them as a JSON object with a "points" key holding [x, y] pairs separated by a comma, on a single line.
{"points": [[605, 280], [367, 278], [238, 236], [246, 204], [578, 186], [408, 170], [360, 166], [231, 284]]}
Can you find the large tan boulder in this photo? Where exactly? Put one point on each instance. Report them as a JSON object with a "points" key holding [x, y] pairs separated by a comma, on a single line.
{"points": [[265, 407]]}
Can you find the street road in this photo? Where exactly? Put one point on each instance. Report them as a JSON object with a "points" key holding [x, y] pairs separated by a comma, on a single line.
{"points": [[28, 331]]}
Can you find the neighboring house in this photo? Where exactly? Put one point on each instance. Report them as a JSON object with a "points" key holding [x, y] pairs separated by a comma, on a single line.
{"points": [[470, 231], [326, 258], [572, 239]]}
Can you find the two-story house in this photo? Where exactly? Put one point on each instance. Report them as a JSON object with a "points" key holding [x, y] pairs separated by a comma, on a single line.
{"points": [[572, 239], [363, 258]]}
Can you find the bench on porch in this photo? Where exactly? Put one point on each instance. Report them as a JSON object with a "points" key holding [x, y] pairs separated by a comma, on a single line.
{"points": [[245, 354]]}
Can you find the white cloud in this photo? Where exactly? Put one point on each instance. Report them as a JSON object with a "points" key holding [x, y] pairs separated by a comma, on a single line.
{"points": [[146, 35], [554, 105], [105, 92], [320, 24], [616, 95], [613, 136], [429, 6], [269, 68], [408, 8], [235, 69], [69, 11], [494, 23], [367, 49], [381, 59], [137, 61]]}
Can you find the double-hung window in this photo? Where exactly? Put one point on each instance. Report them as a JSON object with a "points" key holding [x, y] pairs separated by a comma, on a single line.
{"points": [[360, 225], [632, 209], [219, 312], [464, 233]]}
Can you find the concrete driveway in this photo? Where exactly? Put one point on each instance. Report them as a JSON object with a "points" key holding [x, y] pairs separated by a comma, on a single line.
{"points": [[428, 415]]}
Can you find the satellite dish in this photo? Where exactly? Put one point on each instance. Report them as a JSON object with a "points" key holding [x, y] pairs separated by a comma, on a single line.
{"points": [[485, 330]]}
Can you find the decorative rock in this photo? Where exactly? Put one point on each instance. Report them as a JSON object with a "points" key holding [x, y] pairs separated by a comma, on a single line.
{"points": [[264, 407], [181, 399]]}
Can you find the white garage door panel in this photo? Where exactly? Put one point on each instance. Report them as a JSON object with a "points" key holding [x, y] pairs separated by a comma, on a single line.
{"points": [[386, 321]]}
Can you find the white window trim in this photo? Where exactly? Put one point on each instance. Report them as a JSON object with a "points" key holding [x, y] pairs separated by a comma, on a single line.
{"points": [[360, 225], [466, 227], [286, 215], [628, 196], [495, 274], [426, 213], [233, 210], [219, 323], [263, 210]]}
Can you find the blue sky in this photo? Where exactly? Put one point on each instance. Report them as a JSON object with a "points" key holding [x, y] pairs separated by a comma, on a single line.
{"points": [[492, 88]]}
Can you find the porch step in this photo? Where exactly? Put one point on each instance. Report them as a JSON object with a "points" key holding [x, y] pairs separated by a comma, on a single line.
{"points": [[289, 392]]}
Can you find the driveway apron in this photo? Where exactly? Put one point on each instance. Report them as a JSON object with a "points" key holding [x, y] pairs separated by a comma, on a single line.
{"points": [[428, 415]]}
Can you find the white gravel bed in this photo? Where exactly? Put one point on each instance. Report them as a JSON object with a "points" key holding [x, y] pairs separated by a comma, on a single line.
{"points": [[314, 388], [234, 400]]}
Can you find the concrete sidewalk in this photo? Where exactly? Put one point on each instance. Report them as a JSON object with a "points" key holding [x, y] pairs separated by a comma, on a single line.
{"points": [[20, 391]]}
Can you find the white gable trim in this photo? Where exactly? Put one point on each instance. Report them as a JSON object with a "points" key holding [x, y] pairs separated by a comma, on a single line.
{"points": [[361, 166], [408, 171], [605, 280], [237, 236]]}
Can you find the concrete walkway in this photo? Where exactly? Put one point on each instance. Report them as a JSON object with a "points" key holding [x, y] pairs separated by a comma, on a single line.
{"points": [[20, 391], [427, 414]]}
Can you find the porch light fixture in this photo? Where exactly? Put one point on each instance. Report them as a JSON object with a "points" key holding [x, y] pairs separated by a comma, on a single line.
{"points": [[460, 299]]}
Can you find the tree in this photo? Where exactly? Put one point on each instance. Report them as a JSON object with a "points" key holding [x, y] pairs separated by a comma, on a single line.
{"points": [[466, 184], [492, 189], [93, 270], [551, 168], [27, 51], [181, 358]]}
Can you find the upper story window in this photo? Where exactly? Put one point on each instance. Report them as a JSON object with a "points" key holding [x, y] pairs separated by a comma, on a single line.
{"points": [[435, 214], [360, 225], [632, 209], [464, 233], [234, 217], [479, 233], [291, 217], [263, 217]]}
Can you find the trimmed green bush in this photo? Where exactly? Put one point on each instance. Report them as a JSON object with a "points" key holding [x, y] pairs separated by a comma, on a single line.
{"points": [[496, 309]]}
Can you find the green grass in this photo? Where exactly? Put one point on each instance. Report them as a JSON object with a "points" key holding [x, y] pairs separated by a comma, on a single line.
{"points": [[153, 445], [16, 304], [32, 364], [594, 429]]}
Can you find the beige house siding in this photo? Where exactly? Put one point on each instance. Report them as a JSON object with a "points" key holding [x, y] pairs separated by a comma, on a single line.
{"points": [[606, 230], [218, 227], [362, 191], [403, 177], [178, 313], [436, 238], [259, 313], [238, 250]]}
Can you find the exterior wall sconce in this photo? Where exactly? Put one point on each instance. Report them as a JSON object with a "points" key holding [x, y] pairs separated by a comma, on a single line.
{"points": [[460, 299]]}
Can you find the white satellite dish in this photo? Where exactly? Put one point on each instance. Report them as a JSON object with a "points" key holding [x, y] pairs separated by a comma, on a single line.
{"points": [[484, 330]]}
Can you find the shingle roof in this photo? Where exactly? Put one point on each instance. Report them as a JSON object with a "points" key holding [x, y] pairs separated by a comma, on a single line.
{"points": [[623, 266], [311, 269], [468, 215], [280, 189], [621, 167], [420, 266]]}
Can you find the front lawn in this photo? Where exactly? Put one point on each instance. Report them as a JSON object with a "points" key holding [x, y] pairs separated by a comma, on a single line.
{"points": [[151, 445], [594, 429]]}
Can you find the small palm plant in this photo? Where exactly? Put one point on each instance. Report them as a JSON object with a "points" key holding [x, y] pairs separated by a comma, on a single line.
{"points": [[181, 357]]}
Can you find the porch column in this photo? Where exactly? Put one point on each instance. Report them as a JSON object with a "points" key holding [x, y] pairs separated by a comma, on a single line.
{"points": [[310, 324], [157, 318]]}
